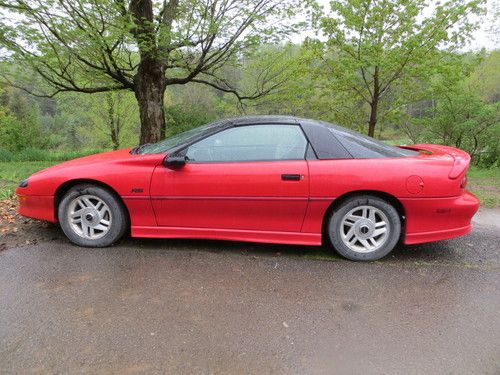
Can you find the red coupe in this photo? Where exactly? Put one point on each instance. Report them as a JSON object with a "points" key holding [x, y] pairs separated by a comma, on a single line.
{"points": [[265, 179]]}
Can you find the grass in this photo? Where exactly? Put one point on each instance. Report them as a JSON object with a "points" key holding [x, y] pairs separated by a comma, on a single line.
{"points": [[15, 167], [11, 173], [36, 154], [484, 183]]}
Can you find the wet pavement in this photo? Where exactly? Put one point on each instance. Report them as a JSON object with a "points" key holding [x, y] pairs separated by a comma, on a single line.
{"points": [[203, 307]]}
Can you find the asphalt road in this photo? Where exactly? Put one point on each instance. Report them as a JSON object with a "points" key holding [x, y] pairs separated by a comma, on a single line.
{"points": [[198, 307]]}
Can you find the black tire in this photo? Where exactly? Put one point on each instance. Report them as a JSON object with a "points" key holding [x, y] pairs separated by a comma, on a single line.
{"points": [[340, 223], [117, 213]]}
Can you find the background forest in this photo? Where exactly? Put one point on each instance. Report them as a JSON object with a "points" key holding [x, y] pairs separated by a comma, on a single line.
{"points": [[456, 102]]}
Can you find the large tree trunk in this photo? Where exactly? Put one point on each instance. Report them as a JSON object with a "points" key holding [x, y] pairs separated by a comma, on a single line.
{"points": [[149, 92]]}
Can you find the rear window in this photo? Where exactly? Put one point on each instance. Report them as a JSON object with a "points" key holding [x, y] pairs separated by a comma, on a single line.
{"points": [[364, 147]]}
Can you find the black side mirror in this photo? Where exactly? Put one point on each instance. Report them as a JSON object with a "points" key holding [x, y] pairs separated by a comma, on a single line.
{"points": [[175, 162]]}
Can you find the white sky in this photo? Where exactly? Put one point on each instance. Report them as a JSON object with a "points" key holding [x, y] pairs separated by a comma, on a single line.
{"points": [[482, 38]]}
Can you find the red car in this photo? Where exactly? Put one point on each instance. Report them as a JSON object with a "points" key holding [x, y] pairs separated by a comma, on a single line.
{"points": [[269, 179]]}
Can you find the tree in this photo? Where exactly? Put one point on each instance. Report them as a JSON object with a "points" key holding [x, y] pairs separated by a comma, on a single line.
{"points": [[375, 44], [456, 108], [485, 80], [20, 125], [114, 115], [139, 45], [463, 120]]}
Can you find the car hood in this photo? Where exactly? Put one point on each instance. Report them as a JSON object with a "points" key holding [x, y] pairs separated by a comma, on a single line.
{"points": [[104, 157]]}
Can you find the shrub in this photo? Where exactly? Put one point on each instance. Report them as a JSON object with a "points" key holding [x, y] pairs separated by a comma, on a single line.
{"points": [[6, 155], [32, 154], [37, 154]]}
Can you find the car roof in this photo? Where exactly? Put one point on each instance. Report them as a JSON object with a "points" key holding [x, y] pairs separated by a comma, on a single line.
{"points": [[329, 141]]}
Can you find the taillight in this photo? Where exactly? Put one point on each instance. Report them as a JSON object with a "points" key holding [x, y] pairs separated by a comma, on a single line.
{"points": [[463, 184]]}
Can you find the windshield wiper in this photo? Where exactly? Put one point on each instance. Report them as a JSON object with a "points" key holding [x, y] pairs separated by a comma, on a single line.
{"points": [[138, 149]]}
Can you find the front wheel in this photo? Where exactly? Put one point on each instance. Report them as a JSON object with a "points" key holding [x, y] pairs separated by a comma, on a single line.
{"points": [[364, 228], [92, 216]]}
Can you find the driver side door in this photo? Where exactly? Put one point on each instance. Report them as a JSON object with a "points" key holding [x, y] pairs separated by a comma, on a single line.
{"points": [[251, 177]]}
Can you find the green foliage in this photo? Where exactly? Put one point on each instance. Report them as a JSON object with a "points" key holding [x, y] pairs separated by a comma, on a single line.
{"points": [[6, 155], [190, 106], [461, 119], [181, 118], [113, 120], [12, 173], [373, 46], [36, 154], [32, 154], [485, 80], [142, 46], [20, 123], [456, 113]]}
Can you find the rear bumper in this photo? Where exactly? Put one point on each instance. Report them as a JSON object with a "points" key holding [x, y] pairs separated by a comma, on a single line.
{"points": [[434, 219], [37, 207]]}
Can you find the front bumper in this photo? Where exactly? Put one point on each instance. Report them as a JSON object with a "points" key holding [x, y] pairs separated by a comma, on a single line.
{"points": [[434, 219], [37, 207]]}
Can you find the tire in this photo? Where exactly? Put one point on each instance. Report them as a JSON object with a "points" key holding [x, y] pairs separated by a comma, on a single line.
{"points": [[364, 228], [92, 216]]}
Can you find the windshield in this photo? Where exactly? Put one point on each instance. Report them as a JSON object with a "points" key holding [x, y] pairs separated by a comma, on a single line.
{"points": [[177, 139]]}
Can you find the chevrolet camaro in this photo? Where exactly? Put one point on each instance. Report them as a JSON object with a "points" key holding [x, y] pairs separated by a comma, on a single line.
{"points": [[274, 179]]}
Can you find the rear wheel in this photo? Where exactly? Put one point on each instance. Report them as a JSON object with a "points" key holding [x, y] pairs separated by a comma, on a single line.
{"points": [[92, 216], [364, 228]]}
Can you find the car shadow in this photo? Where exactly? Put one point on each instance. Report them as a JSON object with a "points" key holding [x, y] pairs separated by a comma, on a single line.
{"points": [[442, 251], [245, 248], [460, 250]]}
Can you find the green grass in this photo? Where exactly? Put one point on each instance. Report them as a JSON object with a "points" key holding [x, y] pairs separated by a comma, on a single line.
{"points": [[485, 184], [11, 173], [36, 154], [15, 167]]}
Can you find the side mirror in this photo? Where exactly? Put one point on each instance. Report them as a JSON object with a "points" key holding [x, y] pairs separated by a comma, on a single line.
{"points": [[175, 162]]}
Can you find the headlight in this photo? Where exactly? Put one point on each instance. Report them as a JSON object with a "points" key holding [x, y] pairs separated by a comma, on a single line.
{"points": [[24, 183]]}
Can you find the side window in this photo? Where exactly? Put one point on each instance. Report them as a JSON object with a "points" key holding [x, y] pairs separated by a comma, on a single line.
{"points": [[249, 143]]}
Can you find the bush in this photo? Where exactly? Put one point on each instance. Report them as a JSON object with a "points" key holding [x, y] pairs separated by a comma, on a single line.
{"points": [[6, 155], [63, 155], [37, 154], [31, 154]]}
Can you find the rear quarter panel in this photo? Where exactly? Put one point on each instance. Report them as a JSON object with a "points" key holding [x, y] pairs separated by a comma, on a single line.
{"points": [[333, 178], [412, 180]]}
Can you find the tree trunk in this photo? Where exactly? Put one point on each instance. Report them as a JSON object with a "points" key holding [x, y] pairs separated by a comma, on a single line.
{"points": [[374, 104], [373, 117], [149, 92], [115, 138], [113, 124]]}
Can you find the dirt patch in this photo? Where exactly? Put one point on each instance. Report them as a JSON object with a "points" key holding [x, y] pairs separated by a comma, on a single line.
{"points": [[16, 230], [488, 217], [487, 190]]}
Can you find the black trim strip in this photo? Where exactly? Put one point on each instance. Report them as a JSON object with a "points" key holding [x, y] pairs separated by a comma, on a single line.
{"points": [[198, 197]]}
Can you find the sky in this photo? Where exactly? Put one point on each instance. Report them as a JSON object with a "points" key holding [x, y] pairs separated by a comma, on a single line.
{"points": [[482, 38]]}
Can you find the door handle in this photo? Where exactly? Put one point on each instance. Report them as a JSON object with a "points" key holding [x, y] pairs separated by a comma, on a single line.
{"points": [[292, 177]]}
